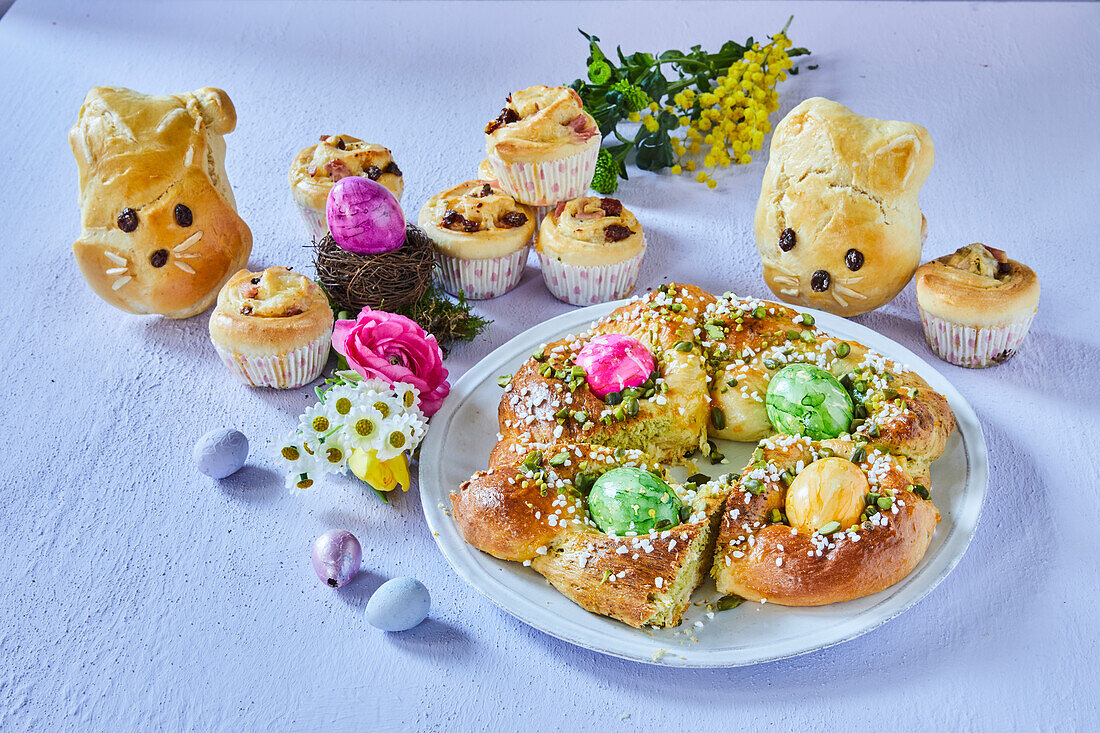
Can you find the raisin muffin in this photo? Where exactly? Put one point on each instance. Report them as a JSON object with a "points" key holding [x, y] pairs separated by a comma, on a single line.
{"points": [[482, 237], [272, 328], [543, 145], [976, 305], [317, 167], [590, 249]]}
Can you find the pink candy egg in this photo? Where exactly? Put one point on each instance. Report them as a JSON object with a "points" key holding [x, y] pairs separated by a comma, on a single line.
{"points": [[364, 217], [614, 362], [336, 557]]}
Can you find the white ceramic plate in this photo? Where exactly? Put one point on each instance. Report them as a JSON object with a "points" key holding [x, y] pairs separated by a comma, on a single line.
{"points": [[464, 430]]}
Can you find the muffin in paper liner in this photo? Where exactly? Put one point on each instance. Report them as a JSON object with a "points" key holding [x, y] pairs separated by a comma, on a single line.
{"points": [[481, 235], [315, 169], [483, 279], [547, 182], [976, 305], [578, 285], [974, 347], [272, 328], [279, 371]]}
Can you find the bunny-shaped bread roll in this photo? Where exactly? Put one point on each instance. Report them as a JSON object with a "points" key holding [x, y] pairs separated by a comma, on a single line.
{"points": [[159, 226], [838, 226]]}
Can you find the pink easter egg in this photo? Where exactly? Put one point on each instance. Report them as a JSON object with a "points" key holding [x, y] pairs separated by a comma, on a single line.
{"points": [[613, 362], [364, 217]]}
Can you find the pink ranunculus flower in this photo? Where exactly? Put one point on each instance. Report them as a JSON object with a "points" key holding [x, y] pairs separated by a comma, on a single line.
{"points": [[394, 348]]}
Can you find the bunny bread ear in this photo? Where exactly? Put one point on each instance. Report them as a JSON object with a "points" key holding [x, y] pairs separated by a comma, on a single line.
{"points": [[216, 108], [904, 158], [98, 126]]}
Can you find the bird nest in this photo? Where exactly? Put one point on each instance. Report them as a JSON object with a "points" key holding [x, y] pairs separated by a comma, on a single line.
{"points": [[388, 281], [399, 281]]}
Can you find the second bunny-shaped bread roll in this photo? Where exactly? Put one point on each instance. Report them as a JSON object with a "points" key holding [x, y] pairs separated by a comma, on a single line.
{"points": [[838, 226]]}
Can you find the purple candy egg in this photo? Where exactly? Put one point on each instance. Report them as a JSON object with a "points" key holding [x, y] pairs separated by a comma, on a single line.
{"points": [[364, 217], [336, 557]]}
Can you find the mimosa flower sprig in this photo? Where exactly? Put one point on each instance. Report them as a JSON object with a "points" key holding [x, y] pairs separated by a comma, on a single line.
{"points": [[715, 112]]}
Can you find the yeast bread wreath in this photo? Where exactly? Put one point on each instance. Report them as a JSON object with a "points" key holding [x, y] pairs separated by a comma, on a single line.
{"points": [[763, 533]]}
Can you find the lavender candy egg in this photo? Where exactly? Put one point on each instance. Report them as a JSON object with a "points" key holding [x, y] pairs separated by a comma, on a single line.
{"points": [[221, 452], [398, 605], [336, 557], [364, 217]]}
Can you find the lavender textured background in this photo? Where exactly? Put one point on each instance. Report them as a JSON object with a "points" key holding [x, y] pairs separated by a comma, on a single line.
{"points": [[139, 594]]}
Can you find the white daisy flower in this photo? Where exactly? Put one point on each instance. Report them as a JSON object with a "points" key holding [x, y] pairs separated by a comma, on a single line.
{"points": [[318, 421], [301, 458], [332, 452], [375, 385], [408, 395], [363, 428], [289, 448], [355, 379], [341, 399], [420, 427], [399, 435], [385, 402], [311, 449], [300, 480]]}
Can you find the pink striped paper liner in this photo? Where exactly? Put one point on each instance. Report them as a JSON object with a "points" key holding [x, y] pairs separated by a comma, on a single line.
{"points": [[578, 285], [316, 221], [483, 279], [974, 348], [548, 182], [281, 371]]}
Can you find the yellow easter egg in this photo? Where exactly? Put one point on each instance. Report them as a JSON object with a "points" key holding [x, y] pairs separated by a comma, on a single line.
{"points": [[828, 490]]}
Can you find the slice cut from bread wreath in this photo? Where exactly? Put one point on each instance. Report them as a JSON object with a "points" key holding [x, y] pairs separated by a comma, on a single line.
{"points": [[530, 506]]}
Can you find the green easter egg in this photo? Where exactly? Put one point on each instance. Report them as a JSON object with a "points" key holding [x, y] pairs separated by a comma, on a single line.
{"points": [[632, 500], [806, 400]]}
